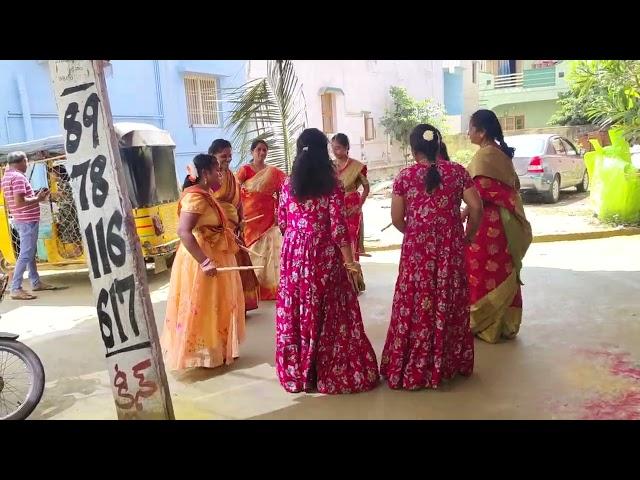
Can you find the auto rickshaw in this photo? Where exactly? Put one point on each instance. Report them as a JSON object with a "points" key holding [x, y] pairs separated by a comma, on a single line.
{"points": [[148, 159]]}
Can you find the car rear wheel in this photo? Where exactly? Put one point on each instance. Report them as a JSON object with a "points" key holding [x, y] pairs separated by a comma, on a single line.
{"points": [[553, 195], [584, 185]]}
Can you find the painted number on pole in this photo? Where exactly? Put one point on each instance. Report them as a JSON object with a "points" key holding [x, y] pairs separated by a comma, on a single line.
{"points": [[135, 376]]}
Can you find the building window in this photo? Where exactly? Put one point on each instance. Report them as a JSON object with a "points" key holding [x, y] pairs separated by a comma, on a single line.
{"points": [[510, 124], [369, 128], [328, 113], [202, 100]]}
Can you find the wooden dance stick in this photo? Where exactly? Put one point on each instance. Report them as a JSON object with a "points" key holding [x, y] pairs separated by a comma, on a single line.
{"points": [[248, 250], [238, 269], [253, 218], [386, 227], [362, 254]]}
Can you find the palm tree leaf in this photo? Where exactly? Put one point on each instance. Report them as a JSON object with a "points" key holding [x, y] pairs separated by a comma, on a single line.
{"points": [[270, 108]]}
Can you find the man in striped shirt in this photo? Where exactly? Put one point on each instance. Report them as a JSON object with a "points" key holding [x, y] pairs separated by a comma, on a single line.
{"points": [[24, 206]]}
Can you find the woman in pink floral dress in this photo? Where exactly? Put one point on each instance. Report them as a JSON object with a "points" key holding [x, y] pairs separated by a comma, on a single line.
{"points": [[429, 338], [320, 338]]}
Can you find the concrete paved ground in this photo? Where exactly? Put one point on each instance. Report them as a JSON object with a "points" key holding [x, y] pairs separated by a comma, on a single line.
{"points": [[573, 214], [577, 356]]}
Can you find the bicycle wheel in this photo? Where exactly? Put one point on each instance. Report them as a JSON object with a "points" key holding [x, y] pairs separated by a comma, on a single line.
{"points": [[21, 380]]}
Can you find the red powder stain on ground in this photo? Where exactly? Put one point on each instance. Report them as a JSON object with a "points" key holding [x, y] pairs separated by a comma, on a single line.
{"points": [[625, 369], [625, 406]]}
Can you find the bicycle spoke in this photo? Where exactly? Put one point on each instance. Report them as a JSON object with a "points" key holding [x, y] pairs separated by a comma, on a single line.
{"points": [[15, 384], [2, 362], [4, 404], [17, 381], [17, 371], [20, 399], [11, 388], [16, 375], [18, 388], [6, 357], [15, 357]]}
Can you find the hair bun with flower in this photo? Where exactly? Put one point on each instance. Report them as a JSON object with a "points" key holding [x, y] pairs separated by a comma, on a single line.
{"points": [[428, 135]]}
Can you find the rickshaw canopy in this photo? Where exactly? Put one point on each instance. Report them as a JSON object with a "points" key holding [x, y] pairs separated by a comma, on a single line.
{"points": [[129, 135]]}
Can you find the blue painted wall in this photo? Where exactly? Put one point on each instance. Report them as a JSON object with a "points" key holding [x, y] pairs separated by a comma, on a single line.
{"points": [[147, 91], [453, 94]]}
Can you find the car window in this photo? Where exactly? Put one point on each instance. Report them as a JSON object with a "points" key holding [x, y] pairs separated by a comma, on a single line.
{"points": [[526, 146], [557, 146], [568, 146]]}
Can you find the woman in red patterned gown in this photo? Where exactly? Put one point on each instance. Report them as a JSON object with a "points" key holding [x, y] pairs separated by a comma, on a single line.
{"points": [[429, 338], [320, 339]]}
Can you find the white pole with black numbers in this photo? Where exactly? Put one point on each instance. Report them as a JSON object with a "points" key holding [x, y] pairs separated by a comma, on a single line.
{"points": [[110, 241]]}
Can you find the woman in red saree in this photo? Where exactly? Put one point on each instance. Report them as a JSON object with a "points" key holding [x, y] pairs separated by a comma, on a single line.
{"points": [[260, 187], [494, 259], [353, 175], [228, 196]]}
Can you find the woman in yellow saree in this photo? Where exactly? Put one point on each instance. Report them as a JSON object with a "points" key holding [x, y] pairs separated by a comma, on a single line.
{"points": [[228, 196], [353, 175], [205, 318], [494, 258], [260, 189]]}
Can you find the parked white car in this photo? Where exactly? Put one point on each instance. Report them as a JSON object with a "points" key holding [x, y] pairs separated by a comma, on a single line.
{"points": [[546, 164]]}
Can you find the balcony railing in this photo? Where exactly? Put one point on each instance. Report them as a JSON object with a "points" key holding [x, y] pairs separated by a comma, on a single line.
{"points": [[537, 77], [540, 77], [508, 81]]}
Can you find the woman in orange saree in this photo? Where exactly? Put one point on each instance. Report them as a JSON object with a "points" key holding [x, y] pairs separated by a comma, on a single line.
{"points": [[494, 259], [353, 175], [205, 318], [228, 196], [260, 189]]}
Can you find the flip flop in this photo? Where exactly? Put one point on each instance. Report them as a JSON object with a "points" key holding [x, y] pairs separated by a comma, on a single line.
{"points": [[22, 295], [48, 288]]}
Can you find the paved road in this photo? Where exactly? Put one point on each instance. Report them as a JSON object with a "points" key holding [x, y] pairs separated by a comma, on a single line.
{"points": [[572, 214]]}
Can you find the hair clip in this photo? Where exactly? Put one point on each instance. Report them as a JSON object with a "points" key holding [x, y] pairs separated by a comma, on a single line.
{"points": [[428, 135]]}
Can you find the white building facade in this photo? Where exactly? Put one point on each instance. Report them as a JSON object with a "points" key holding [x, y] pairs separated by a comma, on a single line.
{"points": [[350, 97]]}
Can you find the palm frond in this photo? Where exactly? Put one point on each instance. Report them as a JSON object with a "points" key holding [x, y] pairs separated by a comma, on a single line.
{"points": [[270, 108]]}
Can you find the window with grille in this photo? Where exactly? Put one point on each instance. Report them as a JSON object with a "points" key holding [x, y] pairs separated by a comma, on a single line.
{"points": [[369, 129], [202, 100], [328, 113], [512, 123]]}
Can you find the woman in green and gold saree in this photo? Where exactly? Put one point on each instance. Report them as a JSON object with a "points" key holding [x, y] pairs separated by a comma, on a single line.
{"points": [[494, 258]]}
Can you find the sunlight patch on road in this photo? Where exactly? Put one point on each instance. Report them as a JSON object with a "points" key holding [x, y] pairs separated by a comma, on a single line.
{"points": [[32, 320]]}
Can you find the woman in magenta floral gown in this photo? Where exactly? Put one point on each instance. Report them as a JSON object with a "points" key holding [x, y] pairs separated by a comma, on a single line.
{"points": [[429, 338], [320, 340]]}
